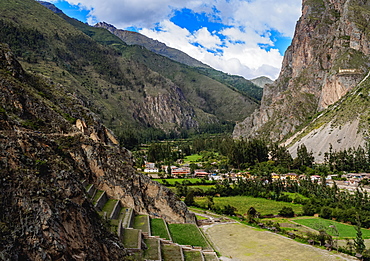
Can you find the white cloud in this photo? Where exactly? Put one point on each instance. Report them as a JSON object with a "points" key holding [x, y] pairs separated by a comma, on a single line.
{"points": [[248, 22], [241, 58]]}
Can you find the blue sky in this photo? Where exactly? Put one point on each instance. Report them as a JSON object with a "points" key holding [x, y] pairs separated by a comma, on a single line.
{"points": [[242, 37]]}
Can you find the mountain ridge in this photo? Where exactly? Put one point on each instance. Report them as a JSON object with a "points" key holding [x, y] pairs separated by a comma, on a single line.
{"points": [[112, 79], [328, 58]]}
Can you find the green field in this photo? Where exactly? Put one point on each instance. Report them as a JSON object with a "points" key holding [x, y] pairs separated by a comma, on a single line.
{"points": [[187, 234], [344, 230], [193, 158], [243, 203], [158, 228]]}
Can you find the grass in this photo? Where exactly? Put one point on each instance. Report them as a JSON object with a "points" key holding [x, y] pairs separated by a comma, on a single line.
{"points": [[210, 257], [171, 253], [193, 158], [159, 228], [345, 230], [108, 207], [130, 238], [192, 255], [151, 253], [141, 222], [243, 203], [200, 217], [97, 196], [187, 234]]}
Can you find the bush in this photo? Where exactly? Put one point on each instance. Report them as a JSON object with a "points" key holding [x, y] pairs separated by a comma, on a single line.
{"points": [[286, 212]]}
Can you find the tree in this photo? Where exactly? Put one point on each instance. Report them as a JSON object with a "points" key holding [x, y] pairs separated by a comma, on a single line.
{"points": [[286, 212], [359, 241], [326, 212], [304, 158], [209, 202], [189, 199], [252, 214]]}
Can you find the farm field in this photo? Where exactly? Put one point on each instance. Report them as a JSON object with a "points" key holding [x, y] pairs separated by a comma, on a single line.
{"points": [[243, 203], [344, 230], [244, 243]]}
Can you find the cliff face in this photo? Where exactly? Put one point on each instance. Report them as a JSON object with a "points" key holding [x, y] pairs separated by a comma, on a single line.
{"points": [[329, 56], [49, 143]]}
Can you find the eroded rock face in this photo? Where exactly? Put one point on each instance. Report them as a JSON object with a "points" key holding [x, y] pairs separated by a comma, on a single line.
{"points": [[330, 36], [49, 144]]}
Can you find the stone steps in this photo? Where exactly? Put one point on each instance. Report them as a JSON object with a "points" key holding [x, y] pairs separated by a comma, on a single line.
{"points": [[136, 234]]}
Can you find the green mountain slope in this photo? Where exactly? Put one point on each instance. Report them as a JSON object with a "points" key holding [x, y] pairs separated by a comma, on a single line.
{"points": [[125, 85], [133, 38], [239, 83]]}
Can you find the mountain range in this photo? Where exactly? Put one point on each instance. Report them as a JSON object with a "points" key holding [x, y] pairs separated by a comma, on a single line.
{"points": [[139, 94]]}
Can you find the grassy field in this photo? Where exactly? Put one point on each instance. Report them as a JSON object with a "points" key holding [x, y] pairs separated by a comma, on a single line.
{"points": [[243, 203], [187, 234], [345, 230], [192, 158], [241, 242], [159, 228]]}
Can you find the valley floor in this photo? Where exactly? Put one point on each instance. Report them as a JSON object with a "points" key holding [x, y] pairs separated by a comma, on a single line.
{"points": [[235, 241]]}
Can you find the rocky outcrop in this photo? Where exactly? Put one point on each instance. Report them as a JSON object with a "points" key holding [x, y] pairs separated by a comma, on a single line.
{"points": [[330, 36], [49, 144]]}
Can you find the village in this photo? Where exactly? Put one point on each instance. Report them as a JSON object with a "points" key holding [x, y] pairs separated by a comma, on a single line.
{"points": [[348, 181]]}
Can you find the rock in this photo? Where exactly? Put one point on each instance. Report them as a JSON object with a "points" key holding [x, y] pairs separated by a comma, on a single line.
{"points": [[327, 39]]}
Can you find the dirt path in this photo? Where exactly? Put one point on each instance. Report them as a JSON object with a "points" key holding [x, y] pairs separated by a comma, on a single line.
{"points": [[240, 242]]}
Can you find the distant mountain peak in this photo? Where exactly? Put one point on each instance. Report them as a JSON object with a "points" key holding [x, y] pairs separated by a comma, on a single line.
{"points": [[261, 81], [51, 6], [134, 38]]}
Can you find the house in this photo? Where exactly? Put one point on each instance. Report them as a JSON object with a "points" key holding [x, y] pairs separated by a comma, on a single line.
{"points": [[275, 176], [200, 173], [291, 176], [315, 177], [183, 171], [151, 170], [149, 165]]}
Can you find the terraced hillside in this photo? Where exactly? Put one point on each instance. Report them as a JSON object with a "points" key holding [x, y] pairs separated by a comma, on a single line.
{"points": [[149, 238]]}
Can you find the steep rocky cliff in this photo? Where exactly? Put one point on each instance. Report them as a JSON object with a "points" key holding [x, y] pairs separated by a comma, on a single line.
{"points": [[328, 57], [49, 143]]}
